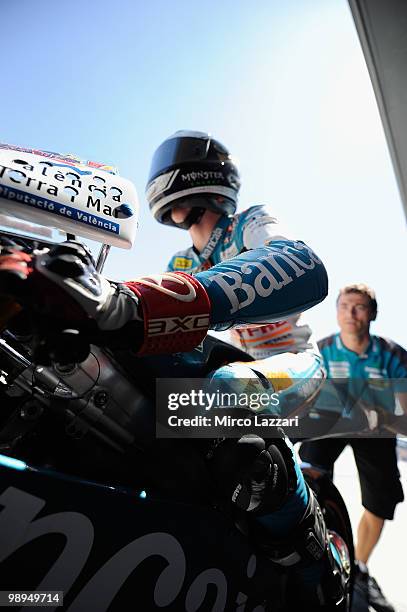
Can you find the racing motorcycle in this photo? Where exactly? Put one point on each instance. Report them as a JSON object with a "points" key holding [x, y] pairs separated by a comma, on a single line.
{"points": [[97, 513]]}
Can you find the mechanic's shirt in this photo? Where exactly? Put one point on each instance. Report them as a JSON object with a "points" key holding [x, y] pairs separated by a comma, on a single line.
{"points": [[252, 272], [376, 374]]}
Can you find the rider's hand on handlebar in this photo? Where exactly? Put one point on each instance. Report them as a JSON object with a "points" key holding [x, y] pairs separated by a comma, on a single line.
{"points": [[62, 288], [68, 271], [154, 314], [15, 267]]}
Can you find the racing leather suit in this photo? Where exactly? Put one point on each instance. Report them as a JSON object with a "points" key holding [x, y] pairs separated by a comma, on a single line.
{"points": [[244, 235]]}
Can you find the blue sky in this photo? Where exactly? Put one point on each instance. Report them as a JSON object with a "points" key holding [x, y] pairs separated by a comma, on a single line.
{"points": [[282, 84]]}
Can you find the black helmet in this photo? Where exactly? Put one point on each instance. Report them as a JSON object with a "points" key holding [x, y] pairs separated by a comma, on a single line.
{"points": [[192, 170]]}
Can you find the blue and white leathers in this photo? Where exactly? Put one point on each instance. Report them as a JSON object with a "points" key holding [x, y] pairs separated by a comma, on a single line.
{"points": [[265, 284], [254, 273]]}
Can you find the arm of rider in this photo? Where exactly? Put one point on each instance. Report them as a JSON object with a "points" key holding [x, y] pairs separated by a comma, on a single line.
{"points": [[170, 312], [259, 228], [265, 284]]}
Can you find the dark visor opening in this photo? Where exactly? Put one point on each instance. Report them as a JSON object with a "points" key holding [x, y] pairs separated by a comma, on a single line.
{"points": [[178, 150]]}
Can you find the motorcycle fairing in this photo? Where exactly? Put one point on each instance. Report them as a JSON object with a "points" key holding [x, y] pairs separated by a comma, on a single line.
{"points": [[82, 198], [109, 549]]}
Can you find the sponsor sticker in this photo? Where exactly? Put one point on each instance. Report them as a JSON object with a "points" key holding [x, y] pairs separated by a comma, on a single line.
{"points": [[183, 263], [58, 209], [172, 325], [160, 184], [68, 157], [76, 196]]}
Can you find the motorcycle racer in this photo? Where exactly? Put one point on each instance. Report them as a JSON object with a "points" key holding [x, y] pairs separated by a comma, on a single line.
{"points": [[194, 184]]}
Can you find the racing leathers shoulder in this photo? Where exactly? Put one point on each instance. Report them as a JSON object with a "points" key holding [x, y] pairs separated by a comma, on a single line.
{"points": [[249, 264], [231, 236]]}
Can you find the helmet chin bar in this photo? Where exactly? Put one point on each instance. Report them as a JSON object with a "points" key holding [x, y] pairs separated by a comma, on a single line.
{"points": [[193, 218], [198, 205]]}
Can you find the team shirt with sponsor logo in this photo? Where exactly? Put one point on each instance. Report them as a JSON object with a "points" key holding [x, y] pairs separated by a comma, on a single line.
{"points": [[376, 374]]}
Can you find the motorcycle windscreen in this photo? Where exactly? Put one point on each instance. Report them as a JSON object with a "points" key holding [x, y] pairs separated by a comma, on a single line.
{"points": [[87, 199], [382, 27]]}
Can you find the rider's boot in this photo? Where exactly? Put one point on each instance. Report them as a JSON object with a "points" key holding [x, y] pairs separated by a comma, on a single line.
{"points": [[286, 520], [316, 559]]}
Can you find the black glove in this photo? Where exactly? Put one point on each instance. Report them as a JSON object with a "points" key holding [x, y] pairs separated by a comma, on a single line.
{"points": [[153, 314], [252, 476], [71, 305]]}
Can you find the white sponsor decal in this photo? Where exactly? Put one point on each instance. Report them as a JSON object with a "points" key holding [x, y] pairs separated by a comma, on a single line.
{"points": [[160, 184], [63, 193], [236, 492], [201, 175], [265, 282], [172, 325], [20, 525], [339, 369], [64, 182], [212, 242], [155, 282]]}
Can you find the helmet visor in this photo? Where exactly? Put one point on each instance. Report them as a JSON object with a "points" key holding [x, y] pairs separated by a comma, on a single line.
{"points": [[179, 150]]}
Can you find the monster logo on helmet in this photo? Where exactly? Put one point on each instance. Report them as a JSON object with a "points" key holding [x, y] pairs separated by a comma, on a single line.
{"points": [[192, 170]]}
